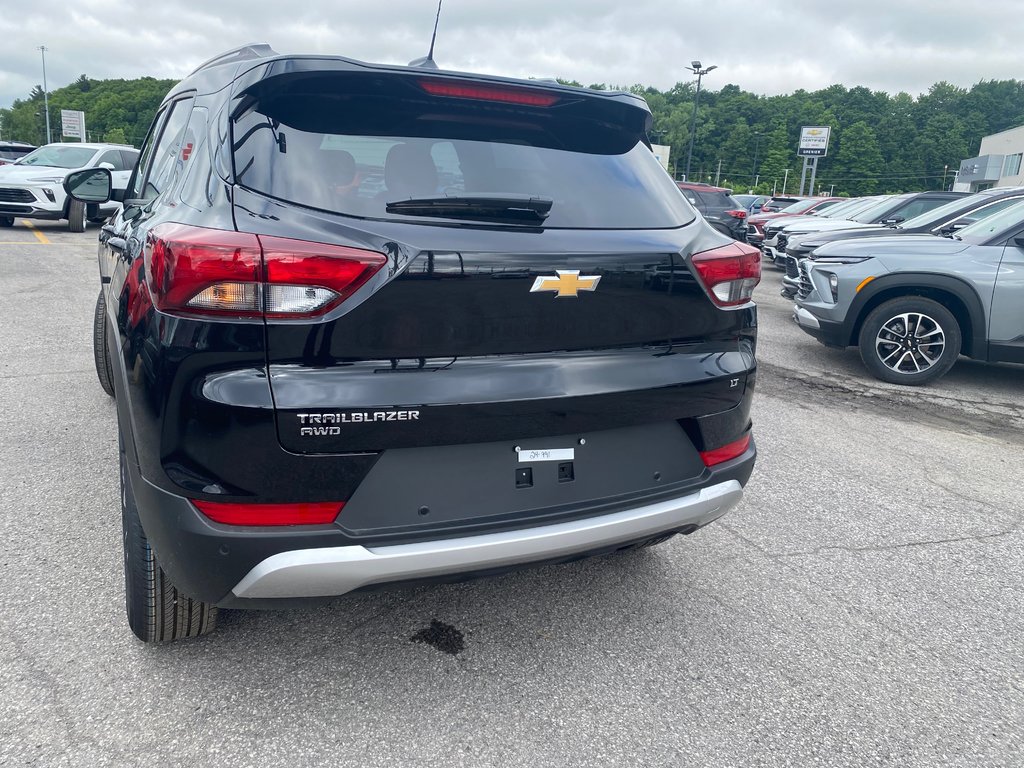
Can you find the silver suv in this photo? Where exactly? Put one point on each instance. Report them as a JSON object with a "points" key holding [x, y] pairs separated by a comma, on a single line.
{"points": [[913, 304]]}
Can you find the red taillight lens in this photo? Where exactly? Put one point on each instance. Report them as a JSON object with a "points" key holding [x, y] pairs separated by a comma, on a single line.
{"points": [[216, 272], [729, 273], [737, 214], [305, 278], [203, 270], [504, 94], [303, 513], [726, 452]]}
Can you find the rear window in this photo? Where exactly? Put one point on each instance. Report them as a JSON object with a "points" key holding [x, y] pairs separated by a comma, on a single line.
{"points": [[716, 199], [351, 144], [11, 153]]}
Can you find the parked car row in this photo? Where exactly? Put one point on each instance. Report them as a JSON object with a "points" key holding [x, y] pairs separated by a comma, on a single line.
{"points": [[31, 186], [912, 280]]}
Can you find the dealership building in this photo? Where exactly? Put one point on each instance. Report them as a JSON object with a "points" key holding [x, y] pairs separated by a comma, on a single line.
{"points": [[998, 163]]}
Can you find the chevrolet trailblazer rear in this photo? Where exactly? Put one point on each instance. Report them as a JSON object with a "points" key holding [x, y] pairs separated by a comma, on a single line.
{"points": [[450, 324]]}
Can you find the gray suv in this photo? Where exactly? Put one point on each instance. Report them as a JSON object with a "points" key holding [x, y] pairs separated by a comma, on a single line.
{"points": [[913, 304]]}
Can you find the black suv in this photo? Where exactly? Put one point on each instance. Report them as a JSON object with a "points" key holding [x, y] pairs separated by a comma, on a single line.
{"points": [[370, 324], [723, 212]]}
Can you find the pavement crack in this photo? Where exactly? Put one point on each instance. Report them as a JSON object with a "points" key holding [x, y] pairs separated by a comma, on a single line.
{"points": [[894, 547]]}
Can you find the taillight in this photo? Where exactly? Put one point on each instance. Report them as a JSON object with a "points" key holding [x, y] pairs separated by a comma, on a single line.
{"points": [[194, 269], [729, 273], [726, 452], [304, 279], [216, 272], [503, 93], [301, 513], [738, 214]]}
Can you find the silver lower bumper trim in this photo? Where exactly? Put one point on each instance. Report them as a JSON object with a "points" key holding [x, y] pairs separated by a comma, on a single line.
{"points": [[804, 318], [337, 570]]}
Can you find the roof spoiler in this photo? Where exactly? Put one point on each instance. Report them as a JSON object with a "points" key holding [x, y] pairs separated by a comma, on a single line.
{"points": [[242, 53]]}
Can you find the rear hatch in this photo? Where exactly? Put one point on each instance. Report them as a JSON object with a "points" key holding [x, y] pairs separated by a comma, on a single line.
{"points": [[523, 262]]}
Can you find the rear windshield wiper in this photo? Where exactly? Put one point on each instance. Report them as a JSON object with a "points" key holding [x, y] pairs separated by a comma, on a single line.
{"points": [[504, 209]]}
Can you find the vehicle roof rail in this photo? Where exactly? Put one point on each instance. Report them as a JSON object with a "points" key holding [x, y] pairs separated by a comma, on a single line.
{"points": [[241, 53]]}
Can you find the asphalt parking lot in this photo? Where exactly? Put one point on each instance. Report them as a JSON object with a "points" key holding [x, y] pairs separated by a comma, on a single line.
{"points": [[863, 606]]}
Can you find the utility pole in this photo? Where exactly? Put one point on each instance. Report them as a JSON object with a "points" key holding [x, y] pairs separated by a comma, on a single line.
{"points": [[831, 190], [718, 173], [46, 99], [785, 179], [696, 69], [757, 143]]}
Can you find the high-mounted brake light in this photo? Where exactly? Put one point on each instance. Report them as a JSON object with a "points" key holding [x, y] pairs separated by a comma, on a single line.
{"points": [[729, 273], [726, 452], [196, 270], [502, 93], [301, 513]]}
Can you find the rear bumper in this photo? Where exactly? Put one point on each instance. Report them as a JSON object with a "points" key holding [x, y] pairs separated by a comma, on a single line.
{"points": [[247, 567], [336, 570]]}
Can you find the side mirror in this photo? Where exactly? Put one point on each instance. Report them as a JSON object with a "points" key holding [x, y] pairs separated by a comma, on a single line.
{"points": [[93, 185], [892, 222], [108, 166], [131, 211], [1019, 241], [955, 226]]}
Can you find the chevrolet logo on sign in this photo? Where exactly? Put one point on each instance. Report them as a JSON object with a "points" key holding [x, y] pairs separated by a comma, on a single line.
{"points": [[567, 284]]}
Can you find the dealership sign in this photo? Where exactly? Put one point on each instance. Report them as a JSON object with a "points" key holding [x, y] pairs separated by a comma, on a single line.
{"points": [[813, 141], [72, 124]]}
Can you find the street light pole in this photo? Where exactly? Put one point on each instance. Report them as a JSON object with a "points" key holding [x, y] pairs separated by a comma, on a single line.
{"points": [[696, 69], [757, 143], [785, 179], [46, 98]]}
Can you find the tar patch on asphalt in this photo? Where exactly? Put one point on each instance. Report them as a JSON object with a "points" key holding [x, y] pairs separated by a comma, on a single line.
{"points": [[442, 636]]}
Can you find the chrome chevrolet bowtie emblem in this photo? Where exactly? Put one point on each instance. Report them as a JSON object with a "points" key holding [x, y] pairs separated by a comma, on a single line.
{"points": [[568, 283]]}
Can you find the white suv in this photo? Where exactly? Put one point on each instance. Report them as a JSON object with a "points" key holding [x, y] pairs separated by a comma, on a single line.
{"points": [[32, 187]]}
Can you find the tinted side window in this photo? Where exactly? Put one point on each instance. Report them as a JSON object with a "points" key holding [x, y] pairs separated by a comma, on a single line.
{"points": [[167, 154], [130, 158], [917, 207], [113, 157], [145, 156]]}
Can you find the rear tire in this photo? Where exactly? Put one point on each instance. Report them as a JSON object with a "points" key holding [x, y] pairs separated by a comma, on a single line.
{"points": [[157, 611], [909, 340], [6, 221], [76, 216], [100, 348]]}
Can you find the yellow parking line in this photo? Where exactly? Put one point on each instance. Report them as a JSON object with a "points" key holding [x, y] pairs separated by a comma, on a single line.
{"points": [[39, 235]]}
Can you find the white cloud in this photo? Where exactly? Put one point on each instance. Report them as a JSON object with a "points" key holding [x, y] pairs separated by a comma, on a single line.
{"points": [[761, 46]]}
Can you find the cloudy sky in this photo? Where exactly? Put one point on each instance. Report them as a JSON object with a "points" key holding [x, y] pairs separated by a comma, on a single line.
{"points": [[764, 46]]}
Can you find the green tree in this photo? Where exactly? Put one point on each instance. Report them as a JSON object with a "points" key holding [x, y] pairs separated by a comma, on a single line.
{"points": [[859, 163], [116, 136]]}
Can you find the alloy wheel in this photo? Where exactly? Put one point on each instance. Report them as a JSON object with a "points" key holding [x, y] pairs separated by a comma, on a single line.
{"points": [[911, 342]]}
